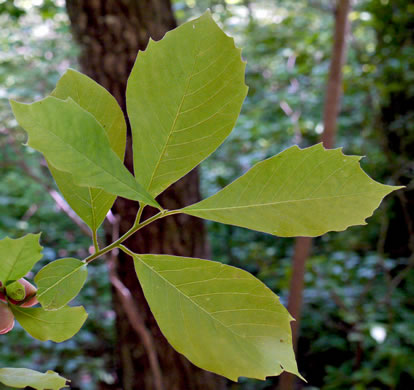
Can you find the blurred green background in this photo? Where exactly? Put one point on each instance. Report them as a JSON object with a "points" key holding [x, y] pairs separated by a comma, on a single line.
{"points": [[358, 314]]}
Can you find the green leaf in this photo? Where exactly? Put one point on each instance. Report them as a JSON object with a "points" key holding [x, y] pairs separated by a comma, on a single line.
{"points": [[91, 204], [59, 282], [220, 317], [73, 141], [17, 257], [95, 99], [58, 326], [16, 291], [23, 377], [299, 192], [184, 95]]}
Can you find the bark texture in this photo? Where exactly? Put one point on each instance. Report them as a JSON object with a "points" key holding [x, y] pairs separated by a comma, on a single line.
{"points": [[110, 33], [303, 245]]}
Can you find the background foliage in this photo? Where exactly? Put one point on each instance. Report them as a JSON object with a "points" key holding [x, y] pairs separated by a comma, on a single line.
{"points": [[357, 326]]}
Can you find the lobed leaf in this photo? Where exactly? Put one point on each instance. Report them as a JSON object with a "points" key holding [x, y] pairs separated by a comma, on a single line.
{"points": [[184, 95], [299, 192], [91, 204], [23, 377], [58, 326], [73, 141], [220, 317], [18, 256], [59, 282]]}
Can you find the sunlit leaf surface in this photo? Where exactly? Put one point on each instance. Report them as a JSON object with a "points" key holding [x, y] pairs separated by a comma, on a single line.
{"points": [[73, 141], [90, 204], [299, 192], [220, 317], [184, 95]]}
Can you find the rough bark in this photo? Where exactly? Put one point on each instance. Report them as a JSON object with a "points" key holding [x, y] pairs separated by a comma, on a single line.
{"points": [[303, 245], [110, 33]]}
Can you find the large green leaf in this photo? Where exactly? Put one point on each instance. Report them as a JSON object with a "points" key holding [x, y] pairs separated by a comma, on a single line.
{"points": [[183, 97], [17, 257], [299, 192], [90, 204], [73, 141], [23, 377], [58, 326], [59, 282], [220, 317]]}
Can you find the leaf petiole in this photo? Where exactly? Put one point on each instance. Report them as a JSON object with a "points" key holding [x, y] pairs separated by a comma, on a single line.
{"points": [[95, 240], [137, 226], [126, 250]]}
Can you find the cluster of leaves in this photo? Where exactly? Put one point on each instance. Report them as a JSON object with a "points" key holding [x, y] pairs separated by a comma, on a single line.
{"points": [[193, 106]]}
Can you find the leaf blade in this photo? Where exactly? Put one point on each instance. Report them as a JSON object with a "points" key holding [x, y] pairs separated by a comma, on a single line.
{"points": [[59, 282], [56, 128], [57, 326], [299, 192], [23, 377], [102, 105], [18, 256], [209, 313], [191, 86]]}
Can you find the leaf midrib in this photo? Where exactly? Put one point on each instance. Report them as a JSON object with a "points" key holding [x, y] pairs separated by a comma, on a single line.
{"points": [[190, 208], [93, 162], [171, 132]]}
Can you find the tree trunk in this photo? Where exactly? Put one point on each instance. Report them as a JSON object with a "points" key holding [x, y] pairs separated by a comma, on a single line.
{"points": [[303, 245], [110, 33]]}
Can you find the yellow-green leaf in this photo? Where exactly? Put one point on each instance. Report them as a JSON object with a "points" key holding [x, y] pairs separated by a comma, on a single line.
{"points": [[184, 95], [220, 317], [72, 140], [18, 256], [22, 377], [299, 192], [58, 326], [59, 282], [90, 204]]}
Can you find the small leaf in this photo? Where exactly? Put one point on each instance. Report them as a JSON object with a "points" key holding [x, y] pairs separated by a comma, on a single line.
{"points": [[299, 192], [220, 317], [73, 141], [23, 377], [58, 325], [59, 282], [16, 291], [17, 257], [184, 95], [91, 204]]}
